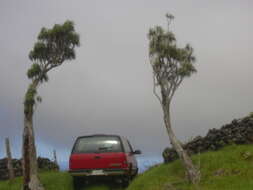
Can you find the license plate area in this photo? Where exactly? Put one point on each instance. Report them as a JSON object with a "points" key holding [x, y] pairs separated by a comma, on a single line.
{"points": [[97, 172]]}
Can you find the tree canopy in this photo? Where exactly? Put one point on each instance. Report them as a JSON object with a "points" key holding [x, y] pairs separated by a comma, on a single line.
{"points": [[53, 47], [170, 63]]}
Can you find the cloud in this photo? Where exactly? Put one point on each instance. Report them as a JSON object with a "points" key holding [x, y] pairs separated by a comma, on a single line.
{"points": [[108, 88]]}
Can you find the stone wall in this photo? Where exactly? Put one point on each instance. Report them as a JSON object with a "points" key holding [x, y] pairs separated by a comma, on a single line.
{"points": [[237, 132], [43, 164]]}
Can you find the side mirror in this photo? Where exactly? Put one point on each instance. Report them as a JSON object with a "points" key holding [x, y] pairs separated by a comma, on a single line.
{"points": [[137, 152]]}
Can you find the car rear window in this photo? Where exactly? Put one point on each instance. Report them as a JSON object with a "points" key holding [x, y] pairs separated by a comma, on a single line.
{"points": [[98, 144]]}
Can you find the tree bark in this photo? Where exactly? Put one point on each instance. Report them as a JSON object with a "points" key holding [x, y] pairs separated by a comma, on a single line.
{"points": [[9, 159], [55, 159], [30, 165], [193, 174]]}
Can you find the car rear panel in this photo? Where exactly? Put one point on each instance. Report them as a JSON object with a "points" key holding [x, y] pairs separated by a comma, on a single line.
{"points": [[97, 161]]}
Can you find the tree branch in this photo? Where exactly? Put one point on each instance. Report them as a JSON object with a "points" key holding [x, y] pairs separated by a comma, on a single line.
{"points": [[154, 90], [175, 87]]}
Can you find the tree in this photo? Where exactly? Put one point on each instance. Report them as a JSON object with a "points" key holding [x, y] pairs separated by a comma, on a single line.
{"points": [[9, 159], [171, 65], [53, 47], [55, 160]]}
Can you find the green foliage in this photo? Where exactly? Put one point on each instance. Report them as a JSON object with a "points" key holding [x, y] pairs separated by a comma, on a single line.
{"points": [[226, 169], [34, 71], [170, 63], [30, 94], [56, 45], [30, 98], [39, 99], [251, 114], [53, 47]]}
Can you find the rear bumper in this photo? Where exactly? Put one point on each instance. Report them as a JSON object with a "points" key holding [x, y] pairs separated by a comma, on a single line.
{"points": [[106, 172]]}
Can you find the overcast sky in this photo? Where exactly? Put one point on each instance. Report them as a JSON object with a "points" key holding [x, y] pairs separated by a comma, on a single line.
{"points": [[108, 88]]}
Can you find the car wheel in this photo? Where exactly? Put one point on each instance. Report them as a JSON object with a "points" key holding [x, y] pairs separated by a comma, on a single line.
{"points": [[77, 182], [125, 181], [135, 174]]}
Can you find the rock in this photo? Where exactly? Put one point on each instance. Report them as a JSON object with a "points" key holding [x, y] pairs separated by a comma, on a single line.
{"points": [[168, 186], [220, 172], [235, 172], [247, 155]]}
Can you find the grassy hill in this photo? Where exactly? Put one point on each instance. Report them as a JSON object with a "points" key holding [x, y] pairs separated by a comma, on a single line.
{"points": [[59, 181], [230, 168]]}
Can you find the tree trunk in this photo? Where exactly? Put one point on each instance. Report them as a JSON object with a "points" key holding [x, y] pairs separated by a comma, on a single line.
{"points": [[30, 165], [9, 159], [55, 159], [193, 174]]}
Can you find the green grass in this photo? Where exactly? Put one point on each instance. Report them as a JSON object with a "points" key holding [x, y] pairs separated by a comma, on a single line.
{"points": [[51, 181], [57, 181], [228, 169]]}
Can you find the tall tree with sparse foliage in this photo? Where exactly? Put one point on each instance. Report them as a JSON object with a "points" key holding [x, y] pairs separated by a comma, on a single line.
{"points": [[53, 47], [171, 65]]}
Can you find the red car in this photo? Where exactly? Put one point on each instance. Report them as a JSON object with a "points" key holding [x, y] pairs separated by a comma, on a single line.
{"points": [[103, 155]]}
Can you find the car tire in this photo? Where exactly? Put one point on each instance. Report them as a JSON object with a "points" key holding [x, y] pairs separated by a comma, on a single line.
{"points": [[135, 174], [125, 181], [77, 182]]}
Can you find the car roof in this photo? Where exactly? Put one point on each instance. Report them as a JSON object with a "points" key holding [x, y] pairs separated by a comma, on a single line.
{"points": [[99, 135]]}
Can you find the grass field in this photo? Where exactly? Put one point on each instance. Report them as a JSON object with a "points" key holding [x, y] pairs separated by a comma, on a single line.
{"points": [[228, 169], [60, 181]]}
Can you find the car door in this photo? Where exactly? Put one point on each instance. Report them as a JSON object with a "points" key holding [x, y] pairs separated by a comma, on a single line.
{"points": [[129, 154]]}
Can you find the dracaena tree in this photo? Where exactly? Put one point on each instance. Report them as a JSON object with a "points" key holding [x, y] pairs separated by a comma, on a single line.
{"points": [[171, 65], [53, 47]]}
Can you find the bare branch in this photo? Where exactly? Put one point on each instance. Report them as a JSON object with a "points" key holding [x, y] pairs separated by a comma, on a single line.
{"points": [[175, 87], [154, 89]]}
